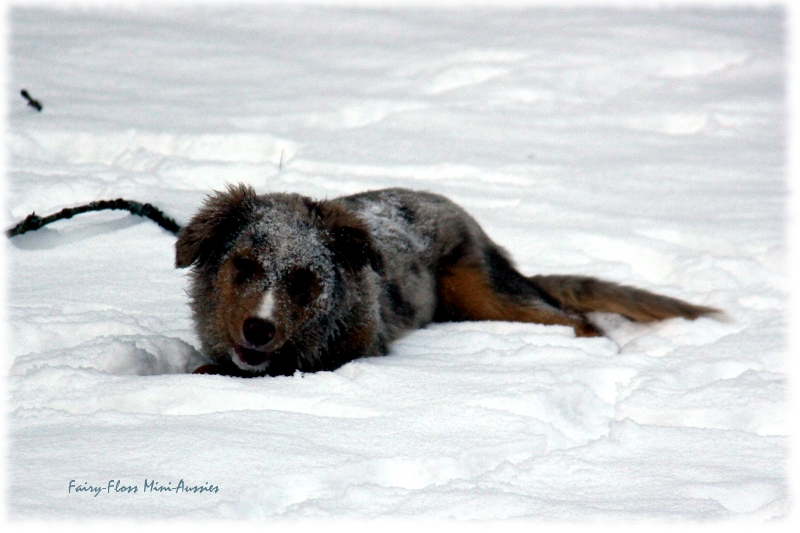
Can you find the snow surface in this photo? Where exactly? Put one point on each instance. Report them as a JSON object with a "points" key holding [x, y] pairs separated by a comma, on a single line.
{"points": [[642, 146]]}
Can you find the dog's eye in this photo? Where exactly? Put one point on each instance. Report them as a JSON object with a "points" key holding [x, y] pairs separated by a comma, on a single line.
{"points": [[245, 268], [302, 285]]}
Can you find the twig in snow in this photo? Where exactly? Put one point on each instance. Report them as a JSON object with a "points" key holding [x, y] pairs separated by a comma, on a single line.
{"points": [[33, 222], [31, 101]]}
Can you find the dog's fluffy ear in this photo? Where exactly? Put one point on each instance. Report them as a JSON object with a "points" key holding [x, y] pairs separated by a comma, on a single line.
{"points": [[211, 230], [350, 240]]}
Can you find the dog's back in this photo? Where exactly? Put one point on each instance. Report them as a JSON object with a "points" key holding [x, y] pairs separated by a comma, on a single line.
{"points": [[416, 234]]}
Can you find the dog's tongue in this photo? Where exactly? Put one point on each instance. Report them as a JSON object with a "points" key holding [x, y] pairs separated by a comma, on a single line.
{"points": [[251, 357]]}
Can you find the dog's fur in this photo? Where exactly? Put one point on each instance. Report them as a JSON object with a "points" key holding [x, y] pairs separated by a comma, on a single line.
{"points": [[280, 282]]}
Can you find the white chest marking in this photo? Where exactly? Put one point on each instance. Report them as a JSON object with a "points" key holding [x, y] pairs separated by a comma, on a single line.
{"points": [[266, 307]]}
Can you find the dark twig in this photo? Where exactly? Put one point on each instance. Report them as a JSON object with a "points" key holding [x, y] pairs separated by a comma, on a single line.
{"points": [[33, 222], [31, 101]]}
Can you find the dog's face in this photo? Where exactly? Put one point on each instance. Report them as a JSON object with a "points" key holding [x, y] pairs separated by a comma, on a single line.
{"points": [[266, 270]]}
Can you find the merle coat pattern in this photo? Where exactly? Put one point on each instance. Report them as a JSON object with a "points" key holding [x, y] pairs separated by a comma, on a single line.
{"points": [[280, 282]]}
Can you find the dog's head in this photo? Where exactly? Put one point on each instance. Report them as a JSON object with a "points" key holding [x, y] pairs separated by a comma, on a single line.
{"points": [[267, 268]]}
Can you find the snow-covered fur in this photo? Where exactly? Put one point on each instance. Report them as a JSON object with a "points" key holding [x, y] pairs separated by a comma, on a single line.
{"points": [[280, 282]]}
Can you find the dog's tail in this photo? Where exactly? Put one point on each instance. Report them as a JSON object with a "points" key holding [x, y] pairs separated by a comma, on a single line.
{"points": [[585, 294]]}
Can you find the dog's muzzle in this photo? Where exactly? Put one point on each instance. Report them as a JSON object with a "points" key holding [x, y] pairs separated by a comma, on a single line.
{"points": [[258, 331], [257, 334]]}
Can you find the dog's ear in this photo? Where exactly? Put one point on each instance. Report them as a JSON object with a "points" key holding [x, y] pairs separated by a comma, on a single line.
{"points": [[349, 238], [209, 233]]}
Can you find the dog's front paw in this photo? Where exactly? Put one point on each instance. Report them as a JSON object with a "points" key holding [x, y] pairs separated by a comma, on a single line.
{"points": [[213, 368], [226, 370]]}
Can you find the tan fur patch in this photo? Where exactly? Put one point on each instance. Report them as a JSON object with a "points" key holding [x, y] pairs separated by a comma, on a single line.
{"points": [[467, 295], [584, 294], [359, 338], [236, 304]]}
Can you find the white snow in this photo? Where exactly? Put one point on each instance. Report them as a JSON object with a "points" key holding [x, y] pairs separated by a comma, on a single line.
{"points": [[643, 146]]}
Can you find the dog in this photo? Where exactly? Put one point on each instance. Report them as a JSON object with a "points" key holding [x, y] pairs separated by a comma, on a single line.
{"points": [[281, 283]]}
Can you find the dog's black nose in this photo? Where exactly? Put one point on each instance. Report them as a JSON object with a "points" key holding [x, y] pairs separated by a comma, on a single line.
{"points": [[257, 331]]}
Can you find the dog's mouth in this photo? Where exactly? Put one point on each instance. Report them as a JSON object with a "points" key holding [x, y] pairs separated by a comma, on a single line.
{"points": [[251, 356]]}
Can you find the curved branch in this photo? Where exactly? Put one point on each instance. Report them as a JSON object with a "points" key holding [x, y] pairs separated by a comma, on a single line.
{"points": [[33, 222]]}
